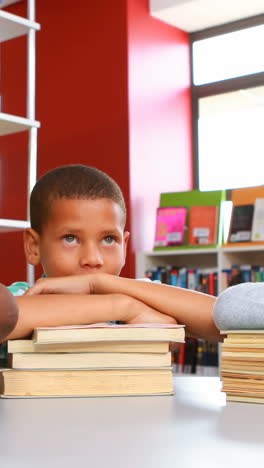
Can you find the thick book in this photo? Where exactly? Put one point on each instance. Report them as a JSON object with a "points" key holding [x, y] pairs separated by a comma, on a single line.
{"points": [[109, 332], [27, 346], [88, 360], [203, 225], [241, 223], [170, 226], [86, 382]]}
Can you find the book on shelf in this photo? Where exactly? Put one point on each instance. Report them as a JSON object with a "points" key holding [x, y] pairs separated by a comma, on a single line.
{"points": [[109, 332], [242, 365], [103, 382], [241, 223], [258, 221], [202, 279], [203, 225], [170, 226]]}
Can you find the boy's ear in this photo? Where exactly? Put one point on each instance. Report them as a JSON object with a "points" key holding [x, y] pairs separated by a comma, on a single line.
{"points": [[126, 237], [31, 246]]}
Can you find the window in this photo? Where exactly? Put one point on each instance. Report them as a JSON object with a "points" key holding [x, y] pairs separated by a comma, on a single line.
{"points": [[228, 104]]}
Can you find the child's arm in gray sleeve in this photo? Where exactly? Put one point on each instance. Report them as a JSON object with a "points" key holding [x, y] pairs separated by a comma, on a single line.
{"points": [[240, 307]]}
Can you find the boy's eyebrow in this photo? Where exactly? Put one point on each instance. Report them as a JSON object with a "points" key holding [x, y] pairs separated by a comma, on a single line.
{"points": [[105, 231]]}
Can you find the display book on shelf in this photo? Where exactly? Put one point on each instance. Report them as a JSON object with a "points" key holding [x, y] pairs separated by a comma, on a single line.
{"points": [[11, 27], [243, 261]]}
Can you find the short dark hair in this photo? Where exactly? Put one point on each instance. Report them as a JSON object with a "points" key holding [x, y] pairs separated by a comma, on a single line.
{"points": [[74, 181]]}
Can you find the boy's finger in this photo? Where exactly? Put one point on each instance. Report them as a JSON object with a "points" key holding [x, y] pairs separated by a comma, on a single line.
{"points": [[33, 290]]}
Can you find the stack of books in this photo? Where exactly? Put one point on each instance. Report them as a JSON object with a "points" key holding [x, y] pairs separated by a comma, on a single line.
{"points": [[242, 365], [92, 360]]}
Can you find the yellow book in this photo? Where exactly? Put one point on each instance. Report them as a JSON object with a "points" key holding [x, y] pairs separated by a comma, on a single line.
{"points": [[27, 346], [107, 332], [86, 382], [88, 360], [244, 399]]}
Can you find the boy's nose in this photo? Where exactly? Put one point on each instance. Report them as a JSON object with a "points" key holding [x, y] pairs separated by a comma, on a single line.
{"points": [[91, 257]]}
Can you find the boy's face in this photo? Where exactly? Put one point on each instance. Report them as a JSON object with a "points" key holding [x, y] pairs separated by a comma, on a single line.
{"points": [[80, 237]]}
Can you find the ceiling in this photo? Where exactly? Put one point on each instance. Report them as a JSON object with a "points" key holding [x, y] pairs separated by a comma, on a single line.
{"points": [[196, 15]]}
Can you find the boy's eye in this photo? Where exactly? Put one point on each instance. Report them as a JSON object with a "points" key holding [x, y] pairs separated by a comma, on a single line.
{"points": [[70, 239], [109, 240]]}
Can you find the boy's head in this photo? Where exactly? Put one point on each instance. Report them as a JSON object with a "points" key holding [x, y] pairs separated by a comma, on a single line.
{"points": [[78, 215]]}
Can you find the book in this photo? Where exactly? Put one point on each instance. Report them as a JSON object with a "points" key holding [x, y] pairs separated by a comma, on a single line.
{"points": [[203, 225], [241, 223], [88, 360], [244, 399], [242, 365], [86, 382], [170, 226], [109, 332], [27, 346], [258, 221]]}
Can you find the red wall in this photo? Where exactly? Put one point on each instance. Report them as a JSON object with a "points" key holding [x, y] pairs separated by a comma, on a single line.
{"points": [[82, 102], [82, 98], [159, 117]]}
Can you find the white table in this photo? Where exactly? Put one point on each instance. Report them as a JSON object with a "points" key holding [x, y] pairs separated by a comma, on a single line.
{"points": [[193, 429]]}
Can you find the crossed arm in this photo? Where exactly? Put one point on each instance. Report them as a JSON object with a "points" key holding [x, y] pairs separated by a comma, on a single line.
{"points": [[52, 310], [158, 303]]}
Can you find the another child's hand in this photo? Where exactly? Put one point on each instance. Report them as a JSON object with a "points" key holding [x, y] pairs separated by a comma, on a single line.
{"points": [[81, 284]]}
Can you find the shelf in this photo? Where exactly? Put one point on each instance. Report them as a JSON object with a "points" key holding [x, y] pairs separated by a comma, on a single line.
{"points": [[194, 251], [243, 248], [8, 225], [13, 124], [12, 26]]}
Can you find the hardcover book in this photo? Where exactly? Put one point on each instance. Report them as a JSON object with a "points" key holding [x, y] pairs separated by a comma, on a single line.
{"points": [[170, 226], [258, 221], [203, 225], [241, 223]]}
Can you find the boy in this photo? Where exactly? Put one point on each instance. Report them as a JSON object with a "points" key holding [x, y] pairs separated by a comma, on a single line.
{"points": [[78, 234]]}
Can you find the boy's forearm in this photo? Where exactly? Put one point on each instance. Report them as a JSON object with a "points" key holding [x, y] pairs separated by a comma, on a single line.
{"points": [[59, 310], [191, 308], [52, 310]]}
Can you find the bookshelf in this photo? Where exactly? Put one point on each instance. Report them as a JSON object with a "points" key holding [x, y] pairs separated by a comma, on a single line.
{"points": [[11, 27], [218, 258]]}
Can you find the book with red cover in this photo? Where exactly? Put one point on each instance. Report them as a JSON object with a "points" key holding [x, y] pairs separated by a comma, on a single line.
{"points": [[170, 226], [203, 225]]}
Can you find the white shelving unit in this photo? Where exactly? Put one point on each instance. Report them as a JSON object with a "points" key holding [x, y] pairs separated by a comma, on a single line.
{"points": [[11, 27], [218, 258]]}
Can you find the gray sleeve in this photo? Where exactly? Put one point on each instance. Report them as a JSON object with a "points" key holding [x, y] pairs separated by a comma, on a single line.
{"points": [[240, 307]]}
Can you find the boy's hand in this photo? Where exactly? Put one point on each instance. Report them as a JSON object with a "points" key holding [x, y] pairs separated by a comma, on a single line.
{"points": [[81, 284]]}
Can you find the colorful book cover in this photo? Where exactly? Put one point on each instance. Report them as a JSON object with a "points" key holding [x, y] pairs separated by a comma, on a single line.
{"points": [[170, 226], [203, 225], [241, 223], [258, 221]]}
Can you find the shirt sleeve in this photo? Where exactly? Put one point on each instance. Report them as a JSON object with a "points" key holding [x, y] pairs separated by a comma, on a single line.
{"points": [[19, 288]]}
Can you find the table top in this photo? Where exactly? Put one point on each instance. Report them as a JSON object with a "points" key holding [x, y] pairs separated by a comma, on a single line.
{"points": [[195, 427]]}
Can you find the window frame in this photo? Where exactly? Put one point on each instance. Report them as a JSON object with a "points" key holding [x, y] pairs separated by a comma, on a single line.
{"points": [[218, 87]]}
